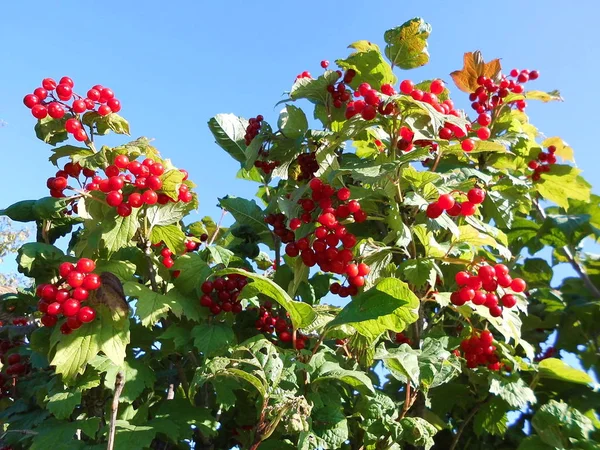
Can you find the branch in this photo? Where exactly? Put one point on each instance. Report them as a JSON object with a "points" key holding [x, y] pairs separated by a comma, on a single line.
{"points": [[464, 425], [151, 270], [574, 264], [214, 236], [119, 384]]}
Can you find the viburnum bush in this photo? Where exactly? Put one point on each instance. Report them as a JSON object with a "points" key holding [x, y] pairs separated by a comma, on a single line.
{"points": [[390, 287]]}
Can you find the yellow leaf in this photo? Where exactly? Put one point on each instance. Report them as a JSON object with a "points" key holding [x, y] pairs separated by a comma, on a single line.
{"points": [[562, 148], [364, 46], [474, 66]]}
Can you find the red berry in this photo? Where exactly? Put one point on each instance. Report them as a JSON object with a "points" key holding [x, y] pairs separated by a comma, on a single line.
{"points": [[518, 285], [91, 282], [500, 269], [80, 135], [64, 91], [363, 269], [436, 87], [496, 311], [121, 161], [343, 194], [67, 81], [75, 279], [104, 110], [154, 183], [462, 278], [369, 112], [509, 300], [466, 294], [476, 195], [30, 100], [49, 321], [65, 268], [71, 307], [79, 106], [446, 201], [73, 323], [114, 198], [483, 133], [49, 84], [467, 145], [80, 294], [54, 309], [484, 119], [324, 64], [467, 208], [39, 111], [65, 329], [434, 210], [486, 338], [150, 197], [56, 111], [406, 86], [93, 94], [86, 265]]}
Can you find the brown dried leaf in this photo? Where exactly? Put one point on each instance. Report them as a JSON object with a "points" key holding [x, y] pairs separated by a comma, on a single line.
{"points": [[111, 294], [473, 67]]}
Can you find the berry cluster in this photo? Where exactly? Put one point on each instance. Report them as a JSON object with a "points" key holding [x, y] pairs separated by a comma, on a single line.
{"points": [[305, 74], [14, 364], [401, 338], [370, 104], [66, 296], [447, 202], [327, 206], [51, 100], [277, 221], [308, 165], [141, 184], [489, 95], [550, 352], [479, 350], [253, 128], [58, 183], [488, 288], [268, 322], [542, 163], [338, 92], [167, 256], [20, 321], [263, 163], [221, 294]]}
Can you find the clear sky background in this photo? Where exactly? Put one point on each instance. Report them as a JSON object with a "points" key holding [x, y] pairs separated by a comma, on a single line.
{"points": [[174, 65]]}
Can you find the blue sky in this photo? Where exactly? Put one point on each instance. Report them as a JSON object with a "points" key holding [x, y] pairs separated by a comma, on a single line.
{"points": [[175, 67]]}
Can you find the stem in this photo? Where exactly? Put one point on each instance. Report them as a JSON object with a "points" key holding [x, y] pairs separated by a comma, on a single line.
{"points": [[151, 270], [119, 384], [574, 264], [317, 345], [182, 377], [277, 243], [437, 160], [464, 425], [214, 236], [407, 401]]}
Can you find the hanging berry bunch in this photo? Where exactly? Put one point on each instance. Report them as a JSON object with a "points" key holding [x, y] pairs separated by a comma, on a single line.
{"points": [[57, 99], [270, 322], [543, 163], [491, 287], [447, 202], [331, 246], [67, 295], [401, 338], [58, 183], [14, 364], [479, 350], [339, 94], [277, 221], [133, 184], [308, 165], [167, 257], [221, 294]]}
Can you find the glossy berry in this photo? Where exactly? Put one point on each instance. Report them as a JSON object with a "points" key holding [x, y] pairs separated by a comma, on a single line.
{"points": [[434, 210], [476, 196], [446, 201], [71, 307], [467, 145], [436, 87]]}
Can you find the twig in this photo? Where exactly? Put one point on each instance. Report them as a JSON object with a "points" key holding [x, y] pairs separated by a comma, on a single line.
{"points": [[574, 264], [182, 377], [408, 401], [214, 236], [119, 384], [464, 425], [437, 160], [151, 270]]}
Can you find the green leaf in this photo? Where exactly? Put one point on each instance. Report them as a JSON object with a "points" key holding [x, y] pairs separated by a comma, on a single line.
{"points": [[124, 270], [52, 131], [402, 362], [193, 272], [118, 232], [314, 90], [229, 131], [112, 122], [209, 339], [113, 333], [491, 418], [171, 235], [390, 305], [354, 378], [377, 256], [133, 437], [419, 271], [330, 426], [21, 211], [169, 214], [184, 415], [151, 306], [60, 435], [370, 68], [36, 259], [418, 431], [137, 376], [292, 122], [556, 369], [514, 392], [245, 212], [562, 184], [470, 235], [562, 148], [179, 335], [61, 404], [407, 44], [220, 255], [556, 423], [69, 150], [561, 229], [75, 350], [300, 313]]}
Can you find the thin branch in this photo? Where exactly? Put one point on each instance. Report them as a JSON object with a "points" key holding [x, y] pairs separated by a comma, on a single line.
{"points": [[151, 269], [574, 264], [408, 400], [214, 236], [119, 384], [464, 425]]}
